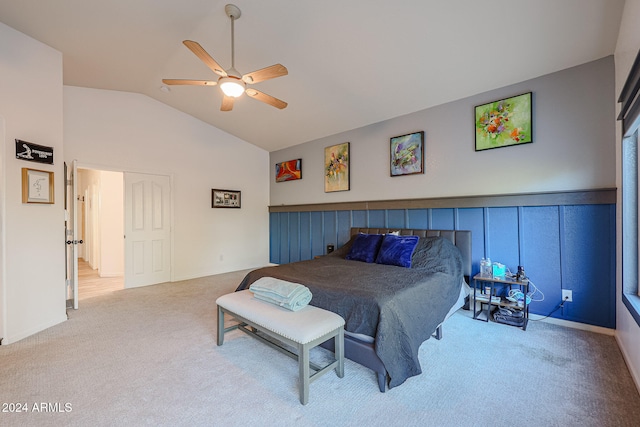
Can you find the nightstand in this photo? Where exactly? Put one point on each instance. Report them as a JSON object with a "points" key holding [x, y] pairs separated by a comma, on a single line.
{"points": [[480, 283]]}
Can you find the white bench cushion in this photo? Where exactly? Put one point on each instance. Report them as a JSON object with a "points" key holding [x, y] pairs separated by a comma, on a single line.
{"points": [[302, 326]]}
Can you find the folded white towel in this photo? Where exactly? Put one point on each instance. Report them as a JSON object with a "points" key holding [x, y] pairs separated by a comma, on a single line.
{"points": [[275, 287], [292, 296]]}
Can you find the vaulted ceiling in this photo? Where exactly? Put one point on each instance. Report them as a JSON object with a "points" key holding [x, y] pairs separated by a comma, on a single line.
{"points": [[351, 62]]}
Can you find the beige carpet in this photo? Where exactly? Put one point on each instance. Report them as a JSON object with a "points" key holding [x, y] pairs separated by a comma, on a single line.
{"points": [[147, 356]]}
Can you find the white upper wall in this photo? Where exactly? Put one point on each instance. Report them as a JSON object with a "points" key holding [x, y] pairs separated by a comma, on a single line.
{"points": [[32, 280], [123, 131], [573, 121]]}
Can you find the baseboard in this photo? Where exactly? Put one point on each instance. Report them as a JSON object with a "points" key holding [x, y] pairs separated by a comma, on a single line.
{"points": [[568, 324], [207, 274], [634, 373], [105, 275], [10, 339], [574, 325]]}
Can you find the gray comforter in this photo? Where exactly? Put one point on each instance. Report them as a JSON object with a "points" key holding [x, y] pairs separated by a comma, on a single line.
{"points": [[400, 307]]}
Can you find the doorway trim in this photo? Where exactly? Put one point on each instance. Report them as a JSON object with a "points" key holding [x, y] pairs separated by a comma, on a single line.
{"points": [[3, 215]]}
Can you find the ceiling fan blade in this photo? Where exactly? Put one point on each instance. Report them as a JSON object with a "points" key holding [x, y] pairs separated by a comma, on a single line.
{"points": [[189, 82], [205, 57], [227, 103], [267, 99], [271, 72]]}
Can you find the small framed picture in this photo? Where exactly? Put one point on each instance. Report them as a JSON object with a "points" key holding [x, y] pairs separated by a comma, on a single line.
{"points": [[37, 186], [225, 199], [407, 154], [289, 170]]}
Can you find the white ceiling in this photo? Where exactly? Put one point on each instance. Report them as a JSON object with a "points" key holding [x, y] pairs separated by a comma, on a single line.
{"points": [[351, 62]]}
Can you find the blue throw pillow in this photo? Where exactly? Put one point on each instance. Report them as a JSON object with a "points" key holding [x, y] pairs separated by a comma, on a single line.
{"points": [[397, 250], [365, 247]]}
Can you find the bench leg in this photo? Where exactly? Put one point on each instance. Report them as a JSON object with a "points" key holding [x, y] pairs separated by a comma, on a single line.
{"points": [[339, 353], [303, 377], [220, 326]]}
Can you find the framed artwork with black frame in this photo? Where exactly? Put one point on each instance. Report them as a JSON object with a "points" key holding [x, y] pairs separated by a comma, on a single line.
{"points": [[407, 154], [504, 123], [225, 198], [290, 170]]}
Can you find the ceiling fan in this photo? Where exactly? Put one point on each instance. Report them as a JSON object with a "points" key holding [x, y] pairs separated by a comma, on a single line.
{"points": [[232, 83]]}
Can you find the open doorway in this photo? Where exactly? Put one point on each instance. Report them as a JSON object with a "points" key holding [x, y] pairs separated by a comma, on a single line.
{"points": [[100, 200]]}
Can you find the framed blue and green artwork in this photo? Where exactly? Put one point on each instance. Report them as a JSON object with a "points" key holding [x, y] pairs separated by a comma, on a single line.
{"points": [[407, 154], [504, 123]]}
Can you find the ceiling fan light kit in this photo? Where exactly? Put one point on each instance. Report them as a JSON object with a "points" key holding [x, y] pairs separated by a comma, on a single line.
{"points": [[232, 86], [231, 82]]}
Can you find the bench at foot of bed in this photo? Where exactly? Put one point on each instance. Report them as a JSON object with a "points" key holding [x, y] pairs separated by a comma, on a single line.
{"points": [[302, 329]]}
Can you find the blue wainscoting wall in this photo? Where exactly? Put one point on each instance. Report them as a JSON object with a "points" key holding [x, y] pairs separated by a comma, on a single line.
{"points": [[560, 246]]}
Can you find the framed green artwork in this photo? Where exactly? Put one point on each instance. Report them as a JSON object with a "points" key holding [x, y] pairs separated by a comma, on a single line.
{"points": [[504, 123]]}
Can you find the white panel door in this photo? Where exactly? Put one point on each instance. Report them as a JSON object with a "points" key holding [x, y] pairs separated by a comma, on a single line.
{"points": [[147, 229], [71, 233]]}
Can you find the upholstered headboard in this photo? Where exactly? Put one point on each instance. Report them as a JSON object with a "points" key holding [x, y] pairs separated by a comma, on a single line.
{"points": [[460, 238]]}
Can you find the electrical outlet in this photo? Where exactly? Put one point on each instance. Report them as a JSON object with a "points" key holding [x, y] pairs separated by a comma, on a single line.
{"points": [[567, 295]]}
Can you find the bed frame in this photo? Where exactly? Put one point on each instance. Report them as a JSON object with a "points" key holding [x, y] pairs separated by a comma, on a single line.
{"points": [[363, 352]]}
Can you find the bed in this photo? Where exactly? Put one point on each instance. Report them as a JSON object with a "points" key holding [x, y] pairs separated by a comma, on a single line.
{"points": [[389, 310]]}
